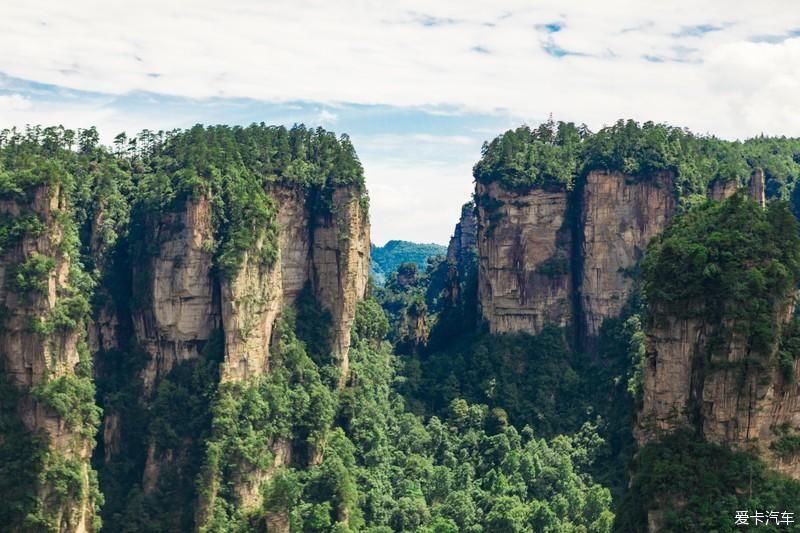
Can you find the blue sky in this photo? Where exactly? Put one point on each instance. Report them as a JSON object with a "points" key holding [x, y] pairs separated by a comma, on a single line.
{"points": [[417, 85]]}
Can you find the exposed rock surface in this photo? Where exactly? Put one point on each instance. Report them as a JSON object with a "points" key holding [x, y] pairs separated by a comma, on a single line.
{"points": [[732, 394], [529, 275], [185, 300], [176, 313], [251, 302], [720, 190], [524, 245], [757, 187], [462, 247], [31, 358], [340, 265], [619, 216]]}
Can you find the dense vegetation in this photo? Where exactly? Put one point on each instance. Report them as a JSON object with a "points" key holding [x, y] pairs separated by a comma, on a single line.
{"points": [[536, 381], [559, 154], [697, 486], [734, 265], [105, 198], [726, 261], [439, 426], [382, 468], [385, 259]]}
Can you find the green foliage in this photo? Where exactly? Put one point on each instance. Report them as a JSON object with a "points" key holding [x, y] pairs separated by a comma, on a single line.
{"points": [[558, 154], [370, 322], [385, 469], [553, 266], [313, 326], [72, 397], [21, 460], [636, 354], [386, 258], [232, 167], [787, 441], [12, 228], [32, 275], [410, 292], [156, 172], [291, 404], [726, 261], [499, 370], [789, 349], [543, 157], [700, 486]]}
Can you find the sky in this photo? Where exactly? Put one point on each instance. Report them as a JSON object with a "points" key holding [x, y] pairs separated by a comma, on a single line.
{"points": [[418, 86]]}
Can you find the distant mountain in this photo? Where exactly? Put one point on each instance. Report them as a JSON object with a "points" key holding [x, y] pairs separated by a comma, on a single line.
{"points": [[386, 259]]}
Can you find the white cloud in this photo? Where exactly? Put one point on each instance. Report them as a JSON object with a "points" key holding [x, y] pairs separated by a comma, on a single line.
{"points": [[416, 200], [326, 118], [14, 102], [416, 53], [722, 67]]}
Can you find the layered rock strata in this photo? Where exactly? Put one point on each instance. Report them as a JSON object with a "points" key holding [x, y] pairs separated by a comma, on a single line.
{"points": [[34, 351], [524, 270]]}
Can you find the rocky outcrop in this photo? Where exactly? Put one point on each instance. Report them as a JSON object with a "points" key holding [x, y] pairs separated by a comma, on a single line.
{"points": [[327, 250], [707, 377], [174, 308], [524, 250], [340, 265], [557, 257], [720, 190], [619, 216], [321, 246], [757, 187], [35, 351], [462, 248], [251, 303]]}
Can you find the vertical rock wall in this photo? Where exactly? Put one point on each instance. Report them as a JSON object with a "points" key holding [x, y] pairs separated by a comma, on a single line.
{"points": [[524, 245], [528, 273], [184, 300], [731, 394], [31, 358], [340, 265], [174, 312], [619, 216]]}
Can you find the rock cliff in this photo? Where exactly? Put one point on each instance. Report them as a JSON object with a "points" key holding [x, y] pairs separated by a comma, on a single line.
{"points": [[174, 311], [183, 299], [340, 265], [618, 217], [42, 347], [524, 270], [462, 248], [731, 394], [566, 258], [721, 349]]}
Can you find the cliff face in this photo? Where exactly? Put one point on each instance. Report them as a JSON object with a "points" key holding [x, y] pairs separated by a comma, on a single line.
{"points": [[185, 299], [175, 313], [529, 272], [731, 394], [619, 216], [720, 190], [340, 266], [36, 351], [463, 244], [524, 246], [182, 301]]}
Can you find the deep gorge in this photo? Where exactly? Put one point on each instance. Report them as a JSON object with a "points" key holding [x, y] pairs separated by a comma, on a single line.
{"points": [[191, 342]]}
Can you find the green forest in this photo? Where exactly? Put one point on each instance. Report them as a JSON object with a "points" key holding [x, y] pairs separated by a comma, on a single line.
{"points": [[439, 426], [385, 259], [559, 154]]}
